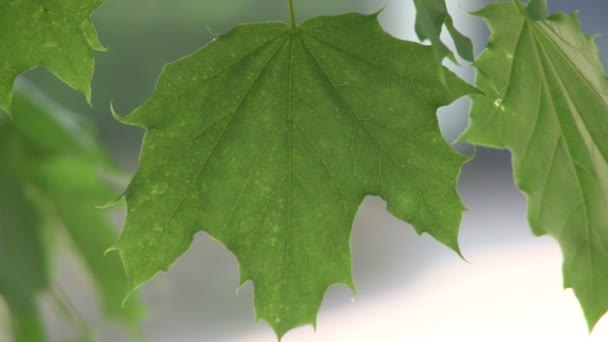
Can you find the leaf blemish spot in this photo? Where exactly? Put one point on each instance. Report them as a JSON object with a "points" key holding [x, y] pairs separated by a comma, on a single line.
{"points": [[498, 104]]}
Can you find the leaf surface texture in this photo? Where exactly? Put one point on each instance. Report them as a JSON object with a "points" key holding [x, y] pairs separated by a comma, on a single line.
{"points": [[548, 103], [269, 138], [57, 34]]}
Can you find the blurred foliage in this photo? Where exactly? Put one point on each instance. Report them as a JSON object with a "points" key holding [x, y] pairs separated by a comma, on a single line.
{"points": [[51, 179]]}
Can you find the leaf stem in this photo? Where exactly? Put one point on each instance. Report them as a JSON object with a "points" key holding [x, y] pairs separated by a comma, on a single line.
{"points": [[292, 15]]}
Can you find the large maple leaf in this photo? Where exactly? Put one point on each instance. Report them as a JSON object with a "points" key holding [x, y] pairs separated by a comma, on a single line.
{"points": [[56, 34], [269, 138], [550, 108]]}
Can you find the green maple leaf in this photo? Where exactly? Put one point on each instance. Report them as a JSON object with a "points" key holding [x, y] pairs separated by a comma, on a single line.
{"points": [[56, 34], [269, 138], [431, 16], [50, 186], [550, 109]]}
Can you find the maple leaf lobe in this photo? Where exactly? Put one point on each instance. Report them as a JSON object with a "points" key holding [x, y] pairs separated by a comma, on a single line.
{"points": [[56, 34]]}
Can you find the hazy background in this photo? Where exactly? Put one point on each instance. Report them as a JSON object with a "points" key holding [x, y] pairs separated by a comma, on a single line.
{"points": [[410, 288]]}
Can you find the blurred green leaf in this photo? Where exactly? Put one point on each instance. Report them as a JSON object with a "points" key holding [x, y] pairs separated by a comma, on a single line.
{"points": [[431, 16], [73, 187], [23, 271], [26, 324], [50, 179], [537, 9]]}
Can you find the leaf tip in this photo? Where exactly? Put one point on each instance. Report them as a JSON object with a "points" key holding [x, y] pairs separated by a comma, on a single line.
{"points": [[351, 286], [111, 249], [242, 283], [379, 11], [111, 202], [115, 113], [5, 104], [281, 330], [593, 318], [455, 246], [85, 89], [132, 288], [99, 47], [130, 292], [122, 119]]}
